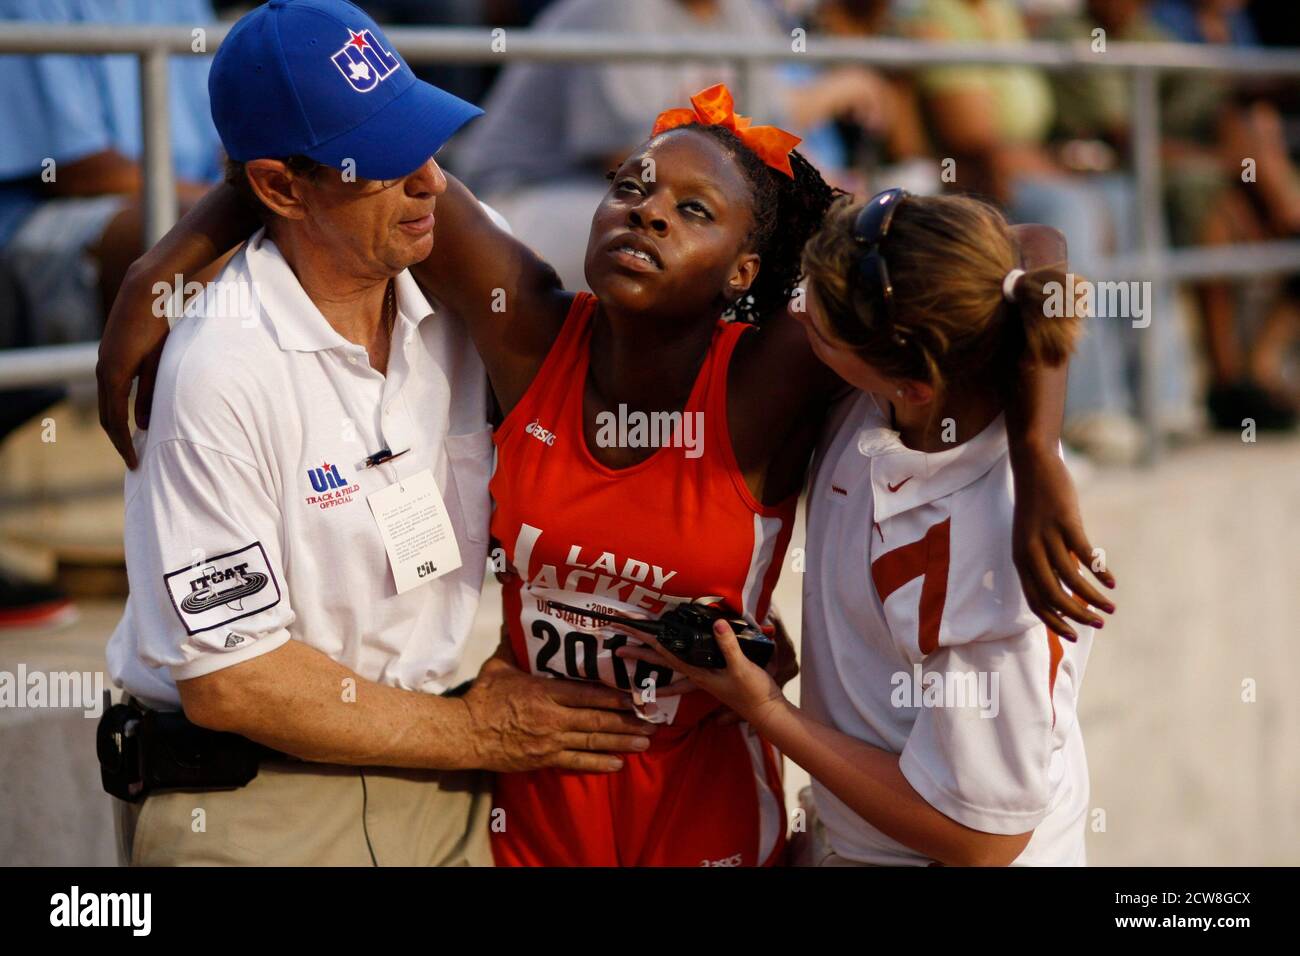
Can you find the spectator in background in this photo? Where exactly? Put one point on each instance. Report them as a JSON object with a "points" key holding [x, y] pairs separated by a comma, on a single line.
{"points": [[469, 81], [1211, 130], [552, 131], [860, 127], [1099, 100], [993, 123], [70, 205], [1092, 139], [1277, 25]]}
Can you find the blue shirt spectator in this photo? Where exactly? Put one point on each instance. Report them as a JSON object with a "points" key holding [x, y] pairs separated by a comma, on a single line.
{"points": [[65, 107], [1178, 18]]}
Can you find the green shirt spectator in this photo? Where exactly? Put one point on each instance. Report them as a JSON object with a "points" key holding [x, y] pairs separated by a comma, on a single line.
{"points": [[1022, 95]]}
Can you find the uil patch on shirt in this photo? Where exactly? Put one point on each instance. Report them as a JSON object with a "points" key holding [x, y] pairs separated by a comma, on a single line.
{"points": [[330, 487], [223, 589]]}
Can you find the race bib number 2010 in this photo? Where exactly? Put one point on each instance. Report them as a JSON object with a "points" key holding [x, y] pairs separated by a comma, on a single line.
{"points": [[566, 645]]}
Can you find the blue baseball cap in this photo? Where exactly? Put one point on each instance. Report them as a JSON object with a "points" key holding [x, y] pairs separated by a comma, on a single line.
{"points": [[317, 78]]}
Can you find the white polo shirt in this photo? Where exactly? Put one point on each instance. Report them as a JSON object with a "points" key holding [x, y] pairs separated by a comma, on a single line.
{"points": [[917, 639], [251, 489]]}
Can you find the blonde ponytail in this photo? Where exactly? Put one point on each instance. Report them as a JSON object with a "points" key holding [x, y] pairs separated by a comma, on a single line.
{"points": [[1048, 339], [962, 307]]}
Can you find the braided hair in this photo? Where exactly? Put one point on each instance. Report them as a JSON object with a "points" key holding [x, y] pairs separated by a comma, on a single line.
{"points": [[786, 214]]}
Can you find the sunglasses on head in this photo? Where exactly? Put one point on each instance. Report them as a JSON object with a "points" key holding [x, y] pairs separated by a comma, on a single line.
{"points": [[869, 230]]}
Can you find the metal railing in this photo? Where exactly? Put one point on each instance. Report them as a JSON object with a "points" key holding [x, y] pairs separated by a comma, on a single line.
{"points": [[1144, 62]]}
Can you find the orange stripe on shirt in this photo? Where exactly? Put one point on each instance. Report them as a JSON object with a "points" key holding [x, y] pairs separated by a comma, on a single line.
{"points": [[1055, 653], [927, 558]]}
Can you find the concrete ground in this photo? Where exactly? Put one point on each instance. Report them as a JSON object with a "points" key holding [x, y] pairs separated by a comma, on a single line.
{"points": [[1193, 736]]}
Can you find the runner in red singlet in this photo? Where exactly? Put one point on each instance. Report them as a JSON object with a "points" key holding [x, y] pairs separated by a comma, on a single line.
{"points": [[613, 539], [610, 521]]}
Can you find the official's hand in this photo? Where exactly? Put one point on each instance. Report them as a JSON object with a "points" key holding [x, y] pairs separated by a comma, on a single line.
{"points": [[524, 722]]}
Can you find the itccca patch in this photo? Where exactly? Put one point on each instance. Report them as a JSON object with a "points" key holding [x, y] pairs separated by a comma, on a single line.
{"points": [[226, 588]]}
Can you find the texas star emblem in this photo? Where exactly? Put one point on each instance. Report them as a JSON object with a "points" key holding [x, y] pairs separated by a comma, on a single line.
{"points": [[363, 62]]}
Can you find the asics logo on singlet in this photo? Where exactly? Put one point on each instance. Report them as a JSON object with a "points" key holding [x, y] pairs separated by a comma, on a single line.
{"points": [[543, 435], [735, 860]]}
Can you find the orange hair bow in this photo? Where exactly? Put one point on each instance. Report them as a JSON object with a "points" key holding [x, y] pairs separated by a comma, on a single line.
{"points": [[715, 107]]}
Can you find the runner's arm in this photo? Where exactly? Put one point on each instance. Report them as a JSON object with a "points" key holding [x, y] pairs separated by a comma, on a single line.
{"points": [[136, 329], [511, 301]]}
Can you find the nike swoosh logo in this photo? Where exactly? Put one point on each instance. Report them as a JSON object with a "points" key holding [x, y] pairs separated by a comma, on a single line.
{"points": [[900, 484]]}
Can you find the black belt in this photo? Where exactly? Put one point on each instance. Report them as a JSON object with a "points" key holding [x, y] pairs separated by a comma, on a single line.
{"points": [[142, 751]]}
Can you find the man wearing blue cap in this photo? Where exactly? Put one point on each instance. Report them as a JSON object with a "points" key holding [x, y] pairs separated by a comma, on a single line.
{"points": [[307, 527]]}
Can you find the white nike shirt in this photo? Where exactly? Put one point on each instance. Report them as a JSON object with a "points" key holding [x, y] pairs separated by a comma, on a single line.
{"points": [[918, 640], [247, 523]]}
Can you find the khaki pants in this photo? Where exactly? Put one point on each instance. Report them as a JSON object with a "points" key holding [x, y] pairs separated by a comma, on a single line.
{"points": [[303, 814]]}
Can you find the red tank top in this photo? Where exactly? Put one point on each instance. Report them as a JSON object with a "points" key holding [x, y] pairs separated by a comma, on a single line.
{"points": [[669, 529]]}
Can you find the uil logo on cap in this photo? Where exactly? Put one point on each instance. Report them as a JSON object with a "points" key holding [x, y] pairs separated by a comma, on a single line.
{"points": [[275, 91], [363, 62]]}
